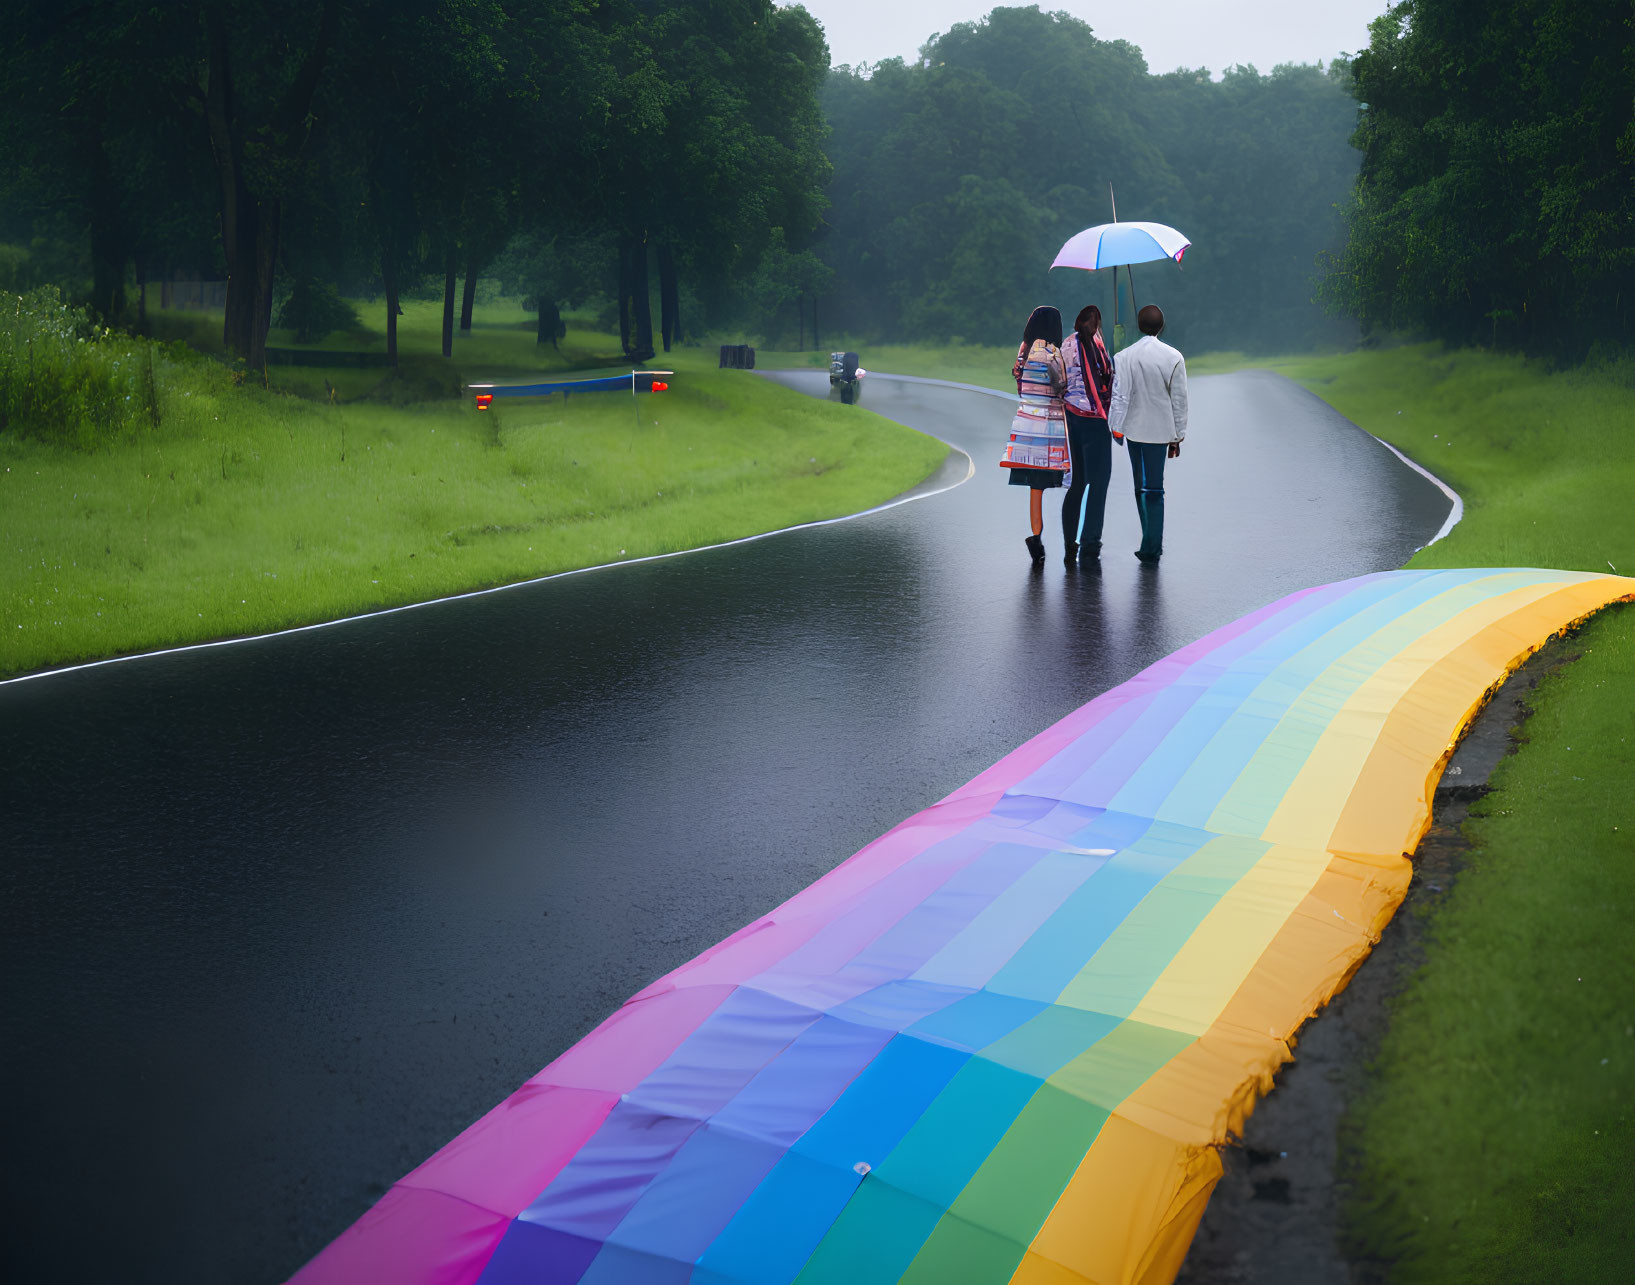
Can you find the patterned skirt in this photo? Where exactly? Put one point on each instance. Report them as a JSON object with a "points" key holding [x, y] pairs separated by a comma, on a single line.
{"points": [[1037, 455]]}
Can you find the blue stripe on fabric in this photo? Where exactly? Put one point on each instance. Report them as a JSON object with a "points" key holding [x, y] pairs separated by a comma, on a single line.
{"points": [[1053, 956], [710, 1063], [780, 1224], [876, 1237], [717, 1168], [1210, 748]]}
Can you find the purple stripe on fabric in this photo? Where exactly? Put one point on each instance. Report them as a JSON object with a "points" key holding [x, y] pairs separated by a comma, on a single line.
{"points": [[695, 1197]]}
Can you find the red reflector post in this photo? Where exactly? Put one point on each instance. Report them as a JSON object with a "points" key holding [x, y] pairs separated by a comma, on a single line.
{"points": [[484, 400], [659, 386]]}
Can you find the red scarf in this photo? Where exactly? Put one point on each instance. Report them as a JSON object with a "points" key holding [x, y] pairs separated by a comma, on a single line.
{"points": [[1097, 367]]}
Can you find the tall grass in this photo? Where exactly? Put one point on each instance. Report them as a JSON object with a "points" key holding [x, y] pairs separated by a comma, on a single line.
{"points": [[65, 380]]}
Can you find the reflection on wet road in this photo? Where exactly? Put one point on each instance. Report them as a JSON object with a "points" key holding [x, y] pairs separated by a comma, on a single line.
{"points": [[280, 919]]}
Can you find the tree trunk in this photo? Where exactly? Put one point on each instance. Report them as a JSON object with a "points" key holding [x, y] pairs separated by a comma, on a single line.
{"points": [[107, 240], [266, 264], [643, 302], [388, 276], [800, 308], [816, 342], [550, 318], [669, 296], [250, 225], [468, 296], [624, 294], [448, 303]]}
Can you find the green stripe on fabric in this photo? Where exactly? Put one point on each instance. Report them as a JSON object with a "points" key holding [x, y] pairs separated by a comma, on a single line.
{"points": [[962, 1254], [1015, 1189], [1120, 1064], [885, 1227], [928, 1168], [1121, 973]]}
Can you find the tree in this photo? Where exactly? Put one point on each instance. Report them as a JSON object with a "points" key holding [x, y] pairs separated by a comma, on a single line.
{"points": [[260, 82], [1493, 206]]}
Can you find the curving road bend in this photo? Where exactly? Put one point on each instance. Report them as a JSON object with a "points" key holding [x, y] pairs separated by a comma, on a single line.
{"points": [[280, 919]]}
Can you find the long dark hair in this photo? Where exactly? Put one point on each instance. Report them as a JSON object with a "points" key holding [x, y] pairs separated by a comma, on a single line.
{"points": [[1044, 323], [1089, 313]]}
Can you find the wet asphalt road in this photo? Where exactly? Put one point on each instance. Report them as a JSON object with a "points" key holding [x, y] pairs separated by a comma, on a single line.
{"points": [[279, 919]]}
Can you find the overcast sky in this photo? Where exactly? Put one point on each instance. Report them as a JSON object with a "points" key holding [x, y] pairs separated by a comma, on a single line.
{"points": [[1171, 33]]}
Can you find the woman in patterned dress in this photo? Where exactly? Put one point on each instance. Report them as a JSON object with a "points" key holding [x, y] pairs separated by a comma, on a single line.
{"points": [[1036, 455]]}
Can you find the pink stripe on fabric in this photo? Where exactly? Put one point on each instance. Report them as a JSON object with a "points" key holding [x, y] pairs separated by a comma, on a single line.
{"points": [[503, 1160], [628, 1047], [410, 1238]]}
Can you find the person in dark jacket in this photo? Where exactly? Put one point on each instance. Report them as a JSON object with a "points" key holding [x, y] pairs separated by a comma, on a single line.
{"points": [[1090, 445]]}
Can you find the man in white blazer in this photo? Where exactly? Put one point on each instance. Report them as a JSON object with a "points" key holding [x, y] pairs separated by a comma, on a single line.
{"points": [[1149, 412]]}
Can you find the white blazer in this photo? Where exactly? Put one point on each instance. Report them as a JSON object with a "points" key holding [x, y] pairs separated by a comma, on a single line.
{"points": [[1149, 392]]}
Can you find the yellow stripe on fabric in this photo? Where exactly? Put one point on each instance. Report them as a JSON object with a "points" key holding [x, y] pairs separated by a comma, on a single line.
{"points": [[1208, 970], [1315, 801], [1277, 763], [1389, 808], [1120, 975], [1252, 891]]}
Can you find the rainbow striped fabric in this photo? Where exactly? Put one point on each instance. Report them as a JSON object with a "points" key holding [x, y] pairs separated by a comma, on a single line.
{"points": [[1005, 1041]]}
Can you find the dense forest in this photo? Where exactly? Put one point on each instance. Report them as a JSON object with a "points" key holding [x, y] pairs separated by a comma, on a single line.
{"points": [[594, 153], [1496, 203], [958, 179], [574, 146]]}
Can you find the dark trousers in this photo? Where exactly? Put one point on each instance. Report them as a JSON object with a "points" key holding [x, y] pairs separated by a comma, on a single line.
{"points": [[1091, 447], [1147, 470]]}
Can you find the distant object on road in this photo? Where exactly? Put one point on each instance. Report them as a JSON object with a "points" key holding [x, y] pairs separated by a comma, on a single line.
{"points": [[845, 376]]}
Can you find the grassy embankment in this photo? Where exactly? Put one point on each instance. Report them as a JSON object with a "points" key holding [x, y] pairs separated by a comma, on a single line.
{"points": [[249, 510], [1499, 1141]]}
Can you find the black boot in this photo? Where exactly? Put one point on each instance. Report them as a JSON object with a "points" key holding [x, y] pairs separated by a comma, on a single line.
{"points": [[1070, 555], [1036, 549], [1090, 552]]}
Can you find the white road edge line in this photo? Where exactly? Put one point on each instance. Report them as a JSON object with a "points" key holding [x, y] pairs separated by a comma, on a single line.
{"points": [[1454, 514], [970, 472]]}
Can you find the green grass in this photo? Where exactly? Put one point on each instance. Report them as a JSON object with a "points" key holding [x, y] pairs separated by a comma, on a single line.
{"points": [[240, 515], [1497, 1142]]}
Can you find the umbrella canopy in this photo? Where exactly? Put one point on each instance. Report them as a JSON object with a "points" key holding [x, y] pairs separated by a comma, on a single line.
{"points": [[1006, 1041], [1111, 245]]}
